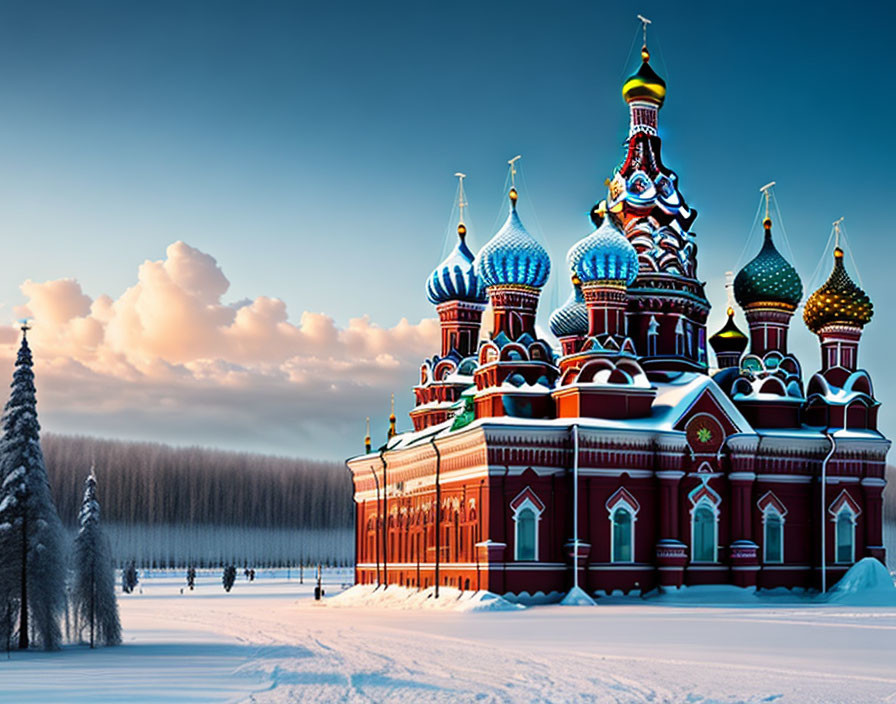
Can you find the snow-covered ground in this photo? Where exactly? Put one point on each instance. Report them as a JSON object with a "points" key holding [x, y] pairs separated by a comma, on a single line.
{"points": [[268, 641]]}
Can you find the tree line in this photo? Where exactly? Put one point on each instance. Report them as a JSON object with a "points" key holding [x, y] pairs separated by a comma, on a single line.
{"points": [[147, 483]]}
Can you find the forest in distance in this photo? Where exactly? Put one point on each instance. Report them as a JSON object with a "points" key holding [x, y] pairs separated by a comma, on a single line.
{"points": [[166, 506]]}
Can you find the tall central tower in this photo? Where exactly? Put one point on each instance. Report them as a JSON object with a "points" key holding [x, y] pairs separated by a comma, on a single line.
{"points": [[667, 307]]}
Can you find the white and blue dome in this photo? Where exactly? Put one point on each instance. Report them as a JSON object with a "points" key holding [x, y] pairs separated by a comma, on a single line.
{"points": [[513, 256], [455, 278], [572, 317], [605, 254]]}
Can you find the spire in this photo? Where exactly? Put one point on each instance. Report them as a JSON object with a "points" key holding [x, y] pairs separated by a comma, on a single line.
{"points": [[513, 195], [768, 280], [367, 437], [729, 291], [644, 91], [455, 279], [461, 204], [392, 431], [729, 342]]}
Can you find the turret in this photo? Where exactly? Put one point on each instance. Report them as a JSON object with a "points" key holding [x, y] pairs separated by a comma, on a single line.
{"points": [[729, 343], [667, 306], [769, 290], [513, 266], [606, 263], [458, 293], [837, 312]]}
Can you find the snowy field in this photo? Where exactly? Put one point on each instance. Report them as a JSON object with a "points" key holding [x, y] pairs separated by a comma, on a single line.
{"points": [[268, 641]]}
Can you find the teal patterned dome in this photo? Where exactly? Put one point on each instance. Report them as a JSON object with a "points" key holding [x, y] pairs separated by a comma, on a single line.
{"points": [[572, 317], [605, 254], [768, 278], [513, 256], [454, 279]]}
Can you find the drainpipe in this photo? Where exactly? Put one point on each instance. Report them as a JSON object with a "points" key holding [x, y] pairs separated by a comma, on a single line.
{"points": [[376, 542], [575, 506], [824, 484], [432, 441], [385, 518]]}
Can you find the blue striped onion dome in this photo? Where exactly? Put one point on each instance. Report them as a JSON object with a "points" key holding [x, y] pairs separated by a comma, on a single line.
{"points": [[455, 278], [605, 254], [513, 256], [572, 317], [768, 278]]}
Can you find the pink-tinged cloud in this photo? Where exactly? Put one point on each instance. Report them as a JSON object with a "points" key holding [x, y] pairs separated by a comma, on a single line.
{"points": [[170, 360]]}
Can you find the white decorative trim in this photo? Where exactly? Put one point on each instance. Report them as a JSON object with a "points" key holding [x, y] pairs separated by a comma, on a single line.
{"points": [[742, 476], [785, 478], [767, 512], [619, 502], [711, 500], [526, 503]]}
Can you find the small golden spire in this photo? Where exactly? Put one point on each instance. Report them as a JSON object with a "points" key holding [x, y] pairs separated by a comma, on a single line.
{"points": [[392, 431], [461, 203], [645, 52], [838, 252], [766, 191], [513, 194], [367, 437]]}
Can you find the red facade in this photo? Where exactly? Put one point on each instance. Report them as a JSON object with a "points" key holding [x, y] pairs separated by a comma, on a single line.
{"points": [[680, 474]]}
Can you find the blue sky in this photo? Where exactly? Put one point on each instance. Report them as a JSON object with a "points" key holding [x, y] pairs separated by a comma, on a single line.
{"points": [[310, 149]]}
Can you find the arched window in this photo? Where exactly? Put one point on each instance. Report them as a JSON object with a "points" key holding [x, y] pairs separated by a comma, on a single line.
{"points": [[703, 534], [527, 509], [773, 537], [526, 534], [846, 536], [622, 547]]}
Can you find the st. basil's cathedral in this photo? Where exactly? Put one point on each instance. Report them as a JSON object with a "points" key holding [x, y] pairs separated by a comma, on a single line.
{"points": [[625, 461]]}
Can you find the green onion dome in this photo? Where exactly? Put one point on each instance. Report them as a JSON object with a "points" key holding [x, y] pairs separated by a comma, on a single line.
{"points": [[838, 300], [730, 338], [644, 84], [768, 279]]}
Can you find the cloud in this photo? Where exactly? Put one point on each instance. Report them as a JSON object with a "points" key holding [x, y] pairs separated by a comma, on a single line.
{"points": [[170, 360]]}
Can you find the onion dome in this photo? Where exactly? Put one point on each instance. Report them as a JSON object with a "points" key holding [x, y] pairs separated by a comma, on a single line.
{"points": [[730, 338], [513, 256], [605, 254], [572, 317], [455, 278], [768, 278], [644, 84], [838, 300]]}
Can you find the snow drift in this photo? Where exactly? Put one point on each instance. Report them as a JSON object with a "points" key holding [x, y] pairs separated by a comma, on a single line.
{"points": [[867, 583], [450, 599]]}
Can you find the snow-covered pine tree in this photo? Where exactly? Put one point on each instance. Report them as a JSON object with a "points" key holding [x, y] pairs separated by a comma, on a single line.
{"points": [[32, 564], [93, 583]]}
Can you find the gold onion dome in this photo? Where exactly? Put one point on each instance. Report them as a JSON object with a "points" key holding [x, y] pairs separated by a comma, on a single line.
{"points": [[644, 84], [729, 338], [838, 301]]}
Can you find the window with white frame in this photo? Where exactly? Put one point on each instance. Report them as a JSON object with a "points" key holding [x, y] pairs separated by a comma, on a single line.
{"points": [[622, 547], [845, 542], [703, 533], [526, 517], [773, 536]]}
